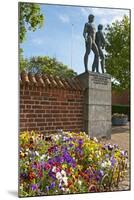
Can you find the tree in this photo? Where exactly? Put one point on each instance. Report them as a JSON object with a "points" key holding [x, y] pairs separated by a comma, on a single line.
{"points": [[22, 62], [118, 53], [47, 65], [30, 18]]}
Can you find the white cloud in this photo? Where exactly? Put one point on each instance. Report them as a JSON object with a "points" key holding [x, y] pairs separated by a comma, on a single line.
{"points": [[105, 15], [85, 11], [108, 12], [118, 17], [64, 18], [37, 41], [104, 21]]}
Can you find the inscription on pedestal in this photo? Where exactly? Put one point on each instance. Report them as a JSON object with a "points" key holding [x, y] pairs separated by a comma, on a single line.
{"points": [[97, 79]]}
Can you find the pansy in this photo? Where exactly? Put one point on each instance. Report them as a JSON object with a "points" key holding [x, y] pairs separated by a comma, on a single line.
{"points": [[47, 166], [37, 153], [95, 139], [64, 179], [33, 186], [69, 163], [47, 188], [100, 173], [113, 161], [54, 169], [52, 185], [58, 176], [63, 172], [79, 182], [43, 157]]}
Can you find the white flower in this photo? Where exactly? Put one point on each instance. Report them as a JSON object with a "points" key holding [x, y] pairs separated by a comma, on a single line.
{"points": [[63, 189], [27, 150], [63, 172], [108, 163], [64, 138], [90, 159], [58, 175], [36, 153], [55, 137], [103, 164], [54, 169], [65, 180], [95, 139], [42, 157], [79, 182]]}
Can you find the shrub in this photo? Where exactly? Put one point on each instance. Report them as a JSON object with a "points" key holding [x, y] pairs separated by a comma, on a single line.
{"points": [[119, 116], [125, 109]]}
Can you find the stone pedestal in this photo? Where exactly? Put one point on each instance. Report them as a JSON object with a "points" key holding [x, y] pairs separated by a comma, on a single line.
{"points": [[97, 103]]}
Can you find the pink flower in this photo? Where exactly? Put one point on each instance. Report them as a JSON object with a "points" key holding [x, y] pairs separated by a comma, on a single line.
{"points": [[47, 166]]}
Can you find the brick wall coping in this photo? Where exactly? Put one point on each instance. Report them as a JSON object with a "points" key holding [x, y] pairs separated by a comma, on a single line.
{"points": [[45, 80]]}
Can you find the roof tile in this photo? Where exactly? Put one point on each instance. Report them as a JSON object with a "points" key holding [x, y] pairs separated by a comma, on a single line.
{"points": [[45, 80]]}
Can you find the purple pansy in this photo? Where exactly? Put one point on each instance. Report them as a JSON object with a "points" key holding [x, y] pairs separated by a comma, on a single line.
{"points": [[52, 185], [113, 161], [33, 186], [47, 188], [100, 173], [80, 142]]}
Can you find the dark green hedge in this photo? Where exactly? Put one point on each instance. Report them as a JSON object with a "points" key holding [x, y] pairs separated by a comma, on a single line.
{"points": [[125, 109]]}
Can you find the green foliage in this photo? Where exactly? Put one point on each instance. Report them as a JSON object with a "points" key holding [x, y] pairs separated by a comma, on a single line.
{"points": [[49, 66], [30, 18], [22, 62], [118, 53], [122, 109]]}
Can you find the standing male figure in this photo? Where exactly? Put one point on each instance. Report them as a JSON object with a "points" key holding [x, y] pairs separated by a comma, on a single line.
{"points": [[100, 41], [89, 35]]}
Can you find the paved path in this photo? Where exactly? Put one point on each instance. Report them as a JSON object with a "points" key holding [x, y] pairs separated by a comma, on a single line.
{"points": [[121, 136]]}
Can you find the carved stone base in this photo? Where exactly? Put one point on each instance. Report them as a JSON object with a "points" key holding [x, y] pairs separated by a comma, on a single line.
{"points": [[97, 103]]}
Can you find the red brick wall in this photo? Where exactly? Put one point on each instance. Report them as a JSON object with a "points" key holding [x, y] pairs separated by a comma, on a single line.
{"points": [[120, 98], [48, 109]]}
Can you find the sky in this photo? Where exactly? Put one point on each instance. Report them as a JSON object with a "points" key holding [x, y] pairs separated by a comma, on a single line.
{"points": [[62, 33]]}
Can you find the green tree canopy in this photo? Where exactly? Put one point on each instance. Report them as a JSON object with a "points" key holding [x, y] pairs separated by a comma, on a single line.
{"points": [[30, 18], [118, 53], [45, 64]]}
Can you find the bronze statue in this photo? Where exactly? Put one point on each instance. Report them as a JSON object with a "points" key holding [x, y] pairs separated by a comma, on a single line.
{"points": [[89, 35], [100, 41]]}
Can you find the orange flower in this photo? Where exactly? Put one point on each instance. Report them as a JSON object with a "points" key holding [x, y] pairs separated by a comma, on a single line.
{"points": [[69, 183], [31, 176]]}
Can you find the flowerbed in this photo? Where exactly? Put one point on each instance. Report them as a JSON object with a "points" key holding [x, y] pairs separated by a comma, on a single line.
{"points": [[68, 163]]}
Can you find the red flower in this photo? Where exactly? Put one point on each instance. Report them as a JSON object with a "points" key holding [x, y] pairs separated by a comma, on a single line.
{"points": [[40, 174], [68, 171], [57, 169], [57, 164], [31, 176], [47, 166]]}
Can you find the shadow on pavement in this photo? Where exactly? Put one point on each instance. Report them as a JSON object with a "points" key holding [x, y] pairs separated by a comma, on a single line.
{"points": [[120, 129], [13, 193]]}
